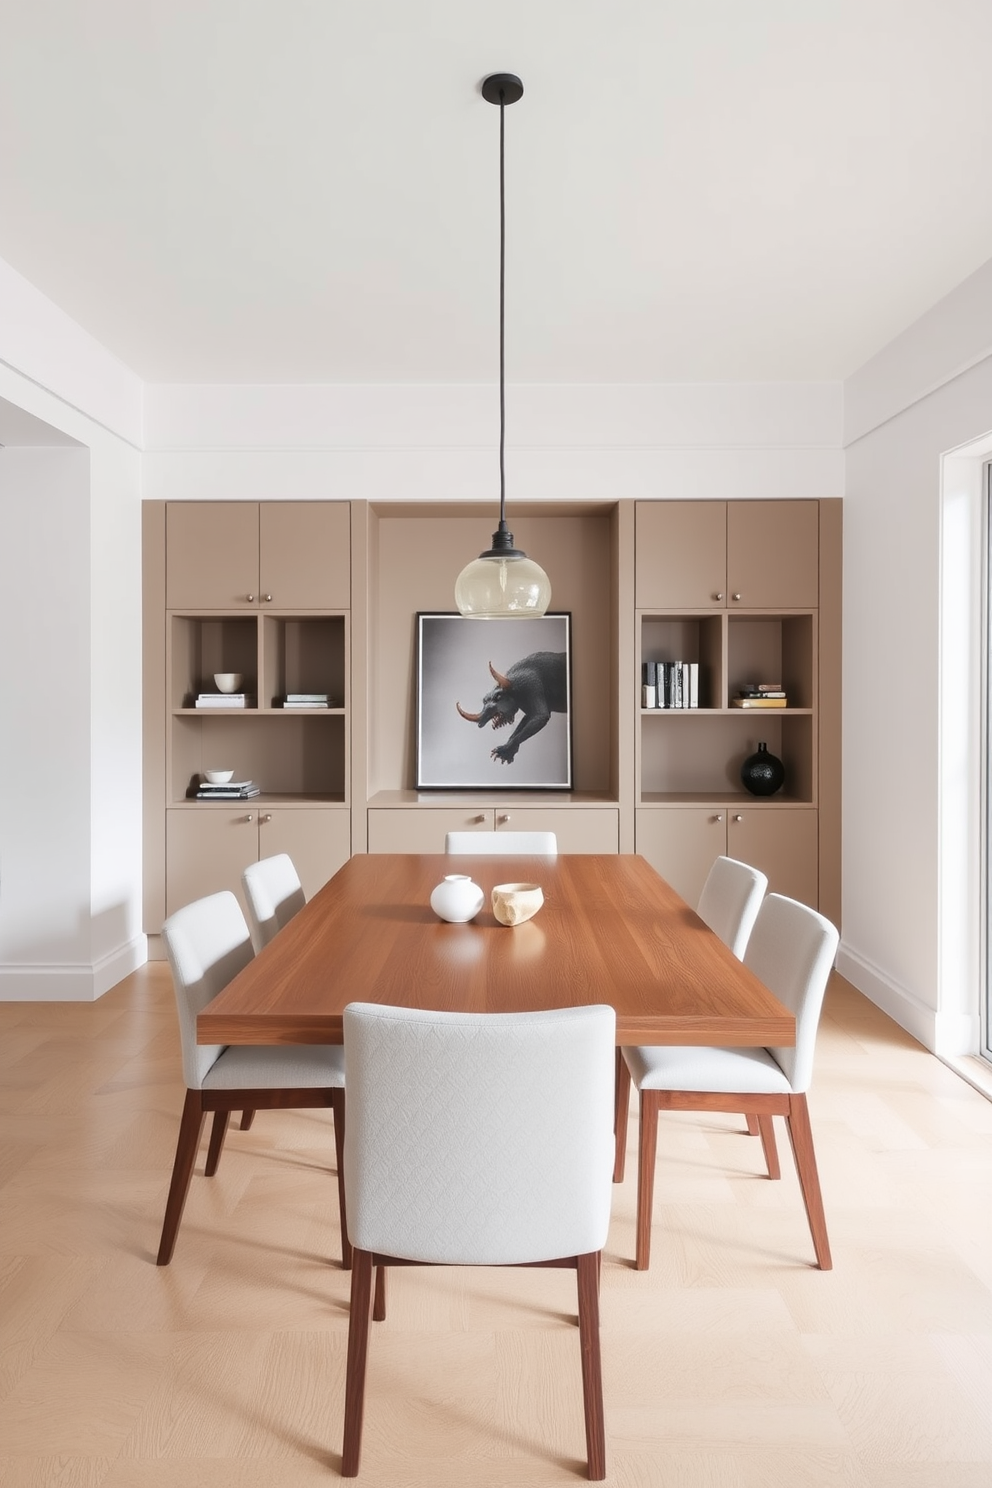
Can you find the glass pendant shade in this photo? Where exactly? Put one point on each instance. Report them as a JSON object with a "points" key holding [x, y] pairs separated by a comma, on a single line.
{"points": [[500, 586]]}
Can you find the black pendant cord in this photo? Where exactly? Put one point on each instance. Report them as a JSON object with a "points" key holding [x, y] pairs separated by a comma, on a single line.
{"points": [[502, 317], [502, 88]]}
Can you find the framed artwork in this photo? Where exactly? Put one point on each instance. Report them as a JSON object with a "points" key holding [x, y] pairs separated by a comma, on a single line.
{"points": [[494, 703]]}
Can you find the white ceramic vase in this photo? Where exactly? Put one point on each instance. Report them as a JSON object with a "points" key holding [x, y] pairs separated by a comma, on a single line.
{"points": [[457, 898]]}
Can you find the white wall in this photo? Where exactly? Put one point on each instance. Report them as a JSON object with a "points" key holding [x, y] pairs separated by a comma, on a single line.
{"points": [[578, 442], [912, 577], [45, 739], [70, 659]]}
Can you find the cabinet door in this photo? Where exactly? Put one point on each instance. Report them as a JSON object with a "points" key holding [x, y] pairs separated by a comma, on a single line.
{"points": [[318, 839], [783, 844], [211, 555], [578, 830], [680, 555], [680, 843], [305, 554], [207, 849], [423, 830], [773, 554]]}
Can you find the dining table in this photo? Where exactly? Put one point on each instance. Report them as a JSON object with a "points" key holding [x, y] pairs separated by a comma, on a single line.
{"points": [[610, 930]]}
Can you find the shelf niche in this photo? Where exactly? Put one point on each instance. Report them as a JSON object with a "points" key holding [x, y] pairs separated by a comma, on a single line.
{"points": [[414, 557]]}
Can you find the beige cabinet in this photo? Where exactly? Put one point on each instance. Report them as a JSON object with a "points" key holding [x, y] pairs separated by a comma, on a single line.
{"points": [[231, 555], [579, 829], [423, 828], [773, 554], [682, 841], [680, 555], [782, 843], [706, 555], [208, 847]]}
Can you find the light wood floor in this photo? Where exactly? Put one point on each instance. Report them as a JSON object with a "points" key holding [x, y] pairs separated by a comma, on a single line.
{"points": [[732, 1363]]}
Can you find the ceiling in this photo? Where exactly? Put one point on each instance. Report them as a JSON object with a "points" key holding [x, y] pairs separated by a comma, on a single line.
{"points": [[307, 191]]}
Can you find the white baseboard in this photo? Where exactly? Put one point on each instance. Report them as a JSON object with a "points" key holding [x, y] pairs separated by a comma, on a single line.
{"points": [[944, 1034], [71, 981]]}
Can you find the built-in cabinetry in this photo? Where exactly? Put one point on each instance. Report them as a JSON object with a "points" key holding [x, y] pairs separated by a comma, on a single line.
{"points": [[324, 597], [736, 588], [261, 589]]}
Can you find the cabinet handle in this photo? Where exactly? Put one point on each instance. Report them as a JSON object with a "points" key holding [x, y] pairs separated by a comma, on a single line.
{"points": [[248, 818], [737, 596], [505, 817], [738, 818], [267, 598], [718, 818], [250, 598], [479, 818], [267, 816], [718, 596]]}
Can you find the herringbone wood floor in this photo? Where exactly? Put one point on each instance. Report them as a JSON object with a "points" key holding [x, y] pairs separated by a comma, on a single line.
{"points": [[732, 1363]]}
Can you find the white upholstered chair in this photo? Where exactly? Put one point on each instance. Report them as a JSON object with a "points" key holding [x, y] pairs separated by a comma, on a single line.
{"points": [[498, 844], [207, 944], [274, 894], [480, 1140], [792, 951], [728, 904], [730, 900]]}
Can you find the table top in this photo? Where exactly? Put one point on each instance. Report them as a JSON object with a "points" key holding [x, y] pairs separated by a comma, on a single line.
{"points": [[610, 930]]}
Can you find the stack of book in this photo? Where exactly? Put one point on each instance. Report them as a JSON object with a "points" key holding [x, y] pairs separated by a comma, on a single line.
{"points": [[307, 700], [231, 790], [670, 684], [221, 700], [760, 695]]}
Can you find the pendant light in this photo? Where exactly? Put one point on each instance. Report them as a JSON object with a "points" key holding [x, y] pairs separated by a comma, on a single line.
{"points": [[502, 582]]}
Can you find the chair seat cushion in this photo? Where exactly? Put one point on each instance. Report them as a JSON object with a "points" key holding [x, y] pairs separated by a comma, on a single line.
{"points": [[666, 1067], [277, 1067]]}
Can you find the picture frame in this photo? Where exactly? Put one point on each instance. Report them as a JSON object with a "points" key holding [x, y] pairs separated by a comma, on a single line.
{"points": [[494, 702]]}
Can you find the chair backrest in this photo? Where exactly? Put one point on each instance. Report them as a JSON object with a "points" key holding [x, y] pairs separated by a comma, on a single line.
{"points": [[792, 950], [498, 844], [730, 901], [479, 1138], [274, 894], [207, 944]]}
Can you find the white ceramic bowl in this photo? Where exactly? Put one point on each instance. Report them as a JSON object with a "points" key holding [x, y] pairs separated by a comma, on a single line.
{"points": [[218, 777], [227, 681], [513, 903]]}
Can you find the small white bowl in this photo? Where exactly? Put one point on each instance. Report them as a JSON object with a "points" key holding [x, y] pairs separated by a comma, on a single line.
{"points": [[218, 777], [227, 681], [513, 903]]}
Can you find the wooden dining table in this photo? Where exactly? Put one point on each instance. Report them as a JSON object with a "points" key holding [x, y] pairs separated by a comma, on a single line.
{"points": [[610, 930]]}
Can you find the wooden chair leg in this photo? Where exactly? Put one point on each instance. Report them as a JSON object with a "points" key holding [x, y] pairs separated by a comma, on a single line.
{"points": [[337, 1106], [217, 1134], [752, 1124], [801, 1136], [358, 1348], [766, 1126], [379, 1297], [647, 1152], [592, 1367], [621, 1110], [190, 1127], [247, 1117]]}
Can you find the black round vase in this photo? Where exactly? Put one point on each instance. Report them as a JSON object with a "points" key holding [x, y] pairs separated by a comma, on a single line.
{"points": [[762, 773]]}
